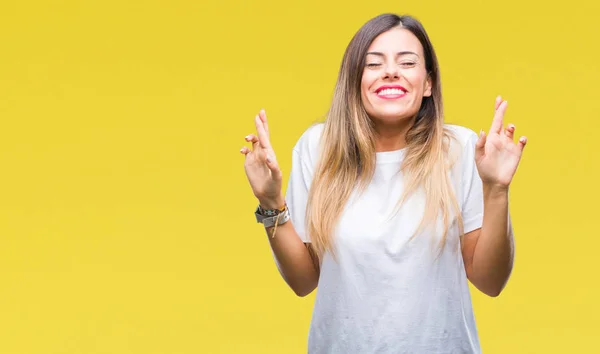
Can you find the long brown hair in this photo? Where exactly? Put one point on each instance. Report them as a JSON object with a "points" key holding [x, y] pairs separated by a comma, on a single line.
{"points": [[348, 153]]}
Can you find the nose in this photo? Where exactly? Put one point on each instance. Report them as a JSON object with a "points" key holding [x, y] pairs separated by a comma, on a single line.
{"points": [[391, 71]]}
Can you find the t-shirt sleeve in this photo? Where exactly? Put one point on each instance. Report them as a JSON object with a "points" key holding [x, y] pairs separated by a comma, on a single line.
{"points": [[472, 196], [297, 193]]}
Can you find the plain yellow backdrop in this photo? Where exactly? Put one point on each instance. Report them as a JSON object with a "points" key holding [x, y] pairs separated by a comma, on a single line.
{"points": [[126, 221]]}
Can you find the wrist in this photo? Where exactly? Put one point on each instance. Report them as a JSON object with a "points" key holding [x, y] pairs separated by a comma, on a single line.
{"points": [[494, 190], [272, 203]]}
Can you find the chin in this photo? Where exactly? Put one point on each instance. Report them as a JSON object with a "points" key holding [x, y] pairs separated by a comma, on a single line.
{"points": [[391, 116]]}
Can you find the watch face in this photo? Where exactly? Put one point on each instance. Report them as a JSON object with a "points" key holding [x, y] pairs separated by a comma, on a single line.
{"points": [[268, 212]]}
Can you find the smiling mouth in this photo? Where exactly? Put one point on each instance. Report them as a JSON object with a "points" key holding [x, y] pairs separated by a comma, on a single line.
{"points": [[391, 93]]}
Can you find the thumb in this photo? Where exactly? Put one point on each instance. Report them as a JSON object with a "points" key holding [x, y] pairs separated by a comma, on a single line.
{"points": [[480, 145]]}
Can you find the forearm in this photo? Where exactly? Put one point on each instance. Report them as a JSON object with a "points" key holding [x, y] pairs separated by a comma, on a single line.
{"points": [[294, 260], [494, 253]]}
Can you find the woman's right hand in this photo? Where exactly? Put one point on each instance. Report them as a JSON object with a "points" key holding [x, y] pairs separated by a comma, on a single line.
{"points": [[261, 166]]}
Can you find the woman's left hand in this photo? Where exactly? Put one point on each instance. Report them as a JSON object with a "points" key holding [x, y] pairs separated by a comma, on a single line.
{"points": [[496, 154]]}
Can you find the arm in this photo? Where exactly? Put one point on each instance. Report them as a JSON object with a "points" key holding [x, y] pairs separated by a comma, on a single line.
{"points": [[294, 259], [488, 252]]}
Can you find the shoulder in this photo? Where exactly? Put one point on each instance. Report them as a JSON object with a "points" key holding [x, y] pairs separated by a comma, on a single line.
{"points": [[462, 147], [307, 146], [464, 136]]}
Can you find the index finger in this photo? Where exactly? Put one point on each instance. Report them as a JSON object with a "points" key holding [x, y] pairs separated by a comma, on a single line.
{"points": [[263, 137]]}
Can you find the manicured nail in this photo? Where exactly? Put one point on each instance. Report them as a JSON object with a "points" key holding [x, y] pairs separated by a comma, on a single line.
{"points": [[480, 132]]}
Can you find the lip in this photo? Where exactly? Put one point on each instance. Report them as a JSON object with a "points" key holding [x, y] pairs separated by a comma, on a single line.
{"points": [[391, 97], [384, 87]]}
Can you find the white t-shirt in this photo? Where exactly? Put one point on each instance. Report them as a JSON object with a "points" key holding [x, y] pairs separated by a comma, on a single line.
{"points": [[386, 294]]}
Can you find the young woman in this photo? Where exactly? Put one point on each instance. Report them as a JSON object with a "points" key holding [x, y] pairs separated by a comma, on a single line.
{"points": [[389, 210]]}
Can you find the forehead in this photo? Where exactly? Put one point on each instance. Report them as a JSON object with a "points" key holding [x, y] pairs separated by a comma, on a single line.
{"points": [[396, 40]]}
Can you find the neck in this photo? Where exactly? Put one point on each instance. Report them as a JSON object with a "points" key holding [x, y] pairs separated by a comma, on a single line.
{"points": [[391, 137]]}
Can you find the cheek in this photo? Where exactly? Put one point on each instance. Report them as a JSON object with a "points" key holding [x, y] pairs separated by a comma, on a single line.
{"points": [[417, 81], [367, 82], [364, 90], [364, 84]]}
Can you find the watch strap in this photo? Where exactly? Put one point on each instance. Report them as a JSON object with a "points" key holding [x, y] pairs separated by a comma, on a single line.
{"points": [[270, 221]]}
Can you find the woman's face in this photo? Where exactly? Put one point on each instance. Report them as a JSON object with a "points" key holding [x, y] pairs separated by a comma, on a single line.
{"points": [[394, 79]]}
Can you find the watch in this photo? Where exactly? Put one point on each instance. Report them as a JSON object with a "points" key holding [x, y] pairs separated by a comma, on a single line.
{"points": [[278, 216]]}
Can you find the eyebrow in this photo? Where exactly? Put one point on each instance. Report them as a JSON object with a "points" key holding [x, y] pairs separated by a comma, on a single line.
{"points": [[379, 54]]}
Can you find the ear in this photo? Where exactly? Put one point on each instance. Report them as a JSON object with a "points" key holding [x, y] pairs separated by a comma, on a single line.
{"points": [[427, 91]]}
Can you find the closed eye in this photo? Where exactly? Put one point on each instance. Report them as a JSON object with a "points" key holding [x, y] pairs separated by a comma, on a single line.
{"points": [[373, 65]]}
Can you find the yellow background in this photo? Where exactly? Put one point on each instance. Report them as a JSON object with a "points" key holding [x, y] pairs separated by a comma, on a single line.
{"points": [[126, 221]]}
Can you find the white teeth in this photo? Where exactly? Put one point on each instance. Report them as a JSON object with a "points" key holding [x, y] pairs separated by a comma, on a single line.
{"points": [[391, 91]]}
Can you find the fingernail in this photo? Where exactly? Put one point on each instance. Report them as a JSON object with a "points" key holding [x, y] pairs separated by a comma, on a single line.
{"points": [[247, 137], [268, 159], [480, 132]]}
